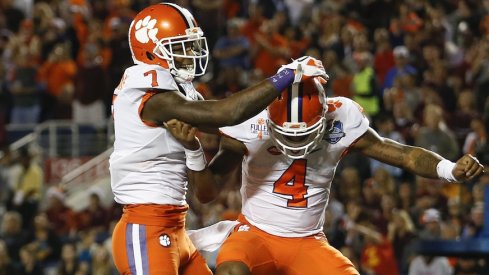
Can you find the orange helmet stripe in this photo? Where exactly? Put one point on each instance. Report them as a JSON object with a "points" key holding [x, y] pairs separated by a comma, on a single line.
{"points": [[295, 105]]}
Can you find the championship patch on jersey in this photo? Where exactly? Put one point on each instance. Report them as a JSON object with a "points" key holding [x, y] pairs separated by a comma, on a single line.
{"points": [[259, 128], [335, 132]]}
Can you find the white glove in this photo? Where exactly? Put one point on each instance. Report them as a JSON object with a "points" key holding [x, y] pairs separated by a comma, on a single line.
{"points": [[306, 67]]}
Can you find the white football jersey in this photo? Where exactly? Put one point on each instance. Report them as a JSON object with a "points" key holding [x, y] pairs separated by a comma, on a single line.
{"points": [[286, 197], [148, 164]]}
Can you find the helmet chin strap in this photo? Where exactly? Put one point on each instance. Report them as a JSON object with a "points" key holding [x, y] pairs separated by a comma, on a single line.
{"points": [[182, 75]]}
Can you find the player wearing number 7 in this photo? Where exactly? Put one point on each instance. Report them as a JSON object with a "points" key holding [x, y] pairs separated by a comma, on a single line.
{"points": [[289, 156]]}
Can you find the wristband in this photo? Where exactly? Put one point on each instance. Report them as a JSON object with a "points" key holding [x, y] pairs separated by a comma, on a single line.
{"points": [[195, 160], [444, 169], [282, 79]]}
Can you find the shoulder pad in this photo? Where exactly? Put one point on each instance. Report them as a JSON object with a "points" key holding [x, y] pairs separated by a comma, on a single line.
{"points": [[148, 77]]}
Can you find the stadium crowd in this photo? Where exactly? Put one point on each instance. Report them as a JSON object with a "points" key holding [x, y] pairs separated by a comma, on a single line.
{"points": [[419, 68]]}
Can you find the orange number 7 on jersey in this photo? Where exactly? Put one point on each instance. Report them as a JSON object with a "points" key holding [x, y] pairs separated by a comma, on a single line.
{"points": [[296, 173], [154, 80]]}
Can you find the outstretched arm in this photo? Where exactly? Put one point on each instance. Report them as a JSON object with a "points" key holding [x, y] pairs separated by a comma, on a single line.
{"points": [[232, 110], [416, 160], [210, 113]]}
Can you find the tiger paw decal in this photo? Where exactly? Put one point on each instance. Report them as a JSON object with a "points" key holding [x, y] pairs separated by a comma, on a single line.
{"points": [[165, 240], [145, 30], [333, 105]]}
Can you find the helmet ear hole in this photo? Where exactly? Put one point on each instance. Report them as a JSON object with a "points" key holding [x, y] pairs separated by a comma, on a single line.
{"points": [[150, 56]]}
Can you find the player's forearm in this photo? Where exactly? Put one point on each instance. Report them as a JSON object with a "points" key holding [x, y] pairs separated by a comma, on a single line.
{"points": [[422, 162], [413, 159], [200, 178], [233, 110], [210, 180], [249, 102], [246, 104], [228, 111], [204, 183]]}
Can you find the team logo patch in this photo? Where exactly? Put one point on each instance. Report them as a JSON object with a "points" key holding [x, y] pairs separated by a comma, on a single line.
{"points": [[333, 105], [145, 30], [165, 240], [244, 227], [335, 133]]}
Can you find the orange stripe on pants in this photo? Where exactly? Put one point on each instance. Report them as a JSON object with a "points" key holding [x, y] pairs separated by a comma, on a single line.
{"points": [[151, 240]]}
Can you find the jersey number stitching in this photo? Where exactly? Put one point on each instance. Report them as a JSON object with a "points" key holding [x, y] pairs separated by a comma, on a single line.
{"points": [[292, 183], [154, 81]]}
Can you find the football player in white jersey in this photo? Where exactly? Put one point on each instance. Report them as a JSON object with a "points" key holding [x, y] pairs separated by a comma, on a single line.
{"points": [[289, 154], [148, 166]]}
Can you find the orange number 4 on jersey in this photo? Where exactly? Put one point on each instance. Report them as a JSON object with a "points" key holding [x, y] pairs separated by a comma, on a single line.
{"points": [[292, 183]]}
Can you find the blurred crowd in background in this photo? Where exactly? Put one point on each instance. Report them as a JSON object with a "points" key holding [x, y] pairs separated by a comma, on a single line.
{"points": [[419, 68]]}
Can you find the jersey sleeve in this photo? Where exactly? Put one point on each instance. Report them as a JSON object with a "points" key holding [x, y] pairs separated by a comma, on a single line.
{"points": [[138, 84], [235, 131], [354, 119], [147, 77]]}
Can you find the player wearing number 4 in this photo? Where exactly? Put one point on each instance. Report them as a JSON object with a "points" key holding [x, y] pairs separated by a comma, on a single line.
{"points": [[289, 155], [148, 166]]}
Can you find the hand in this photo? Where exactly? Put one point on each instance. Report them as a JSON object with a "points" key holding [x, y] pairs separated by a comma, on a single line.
{"points": [[183, 133], [306, 67], [467, 168]]}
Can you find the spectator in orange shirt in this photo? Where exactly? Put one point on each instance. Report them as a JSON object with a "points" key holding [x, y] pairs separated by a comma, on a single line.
{"points": [[271, 49], [409, 20], [340, 76], [298, 42], [57, 74], [254, 22]]}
